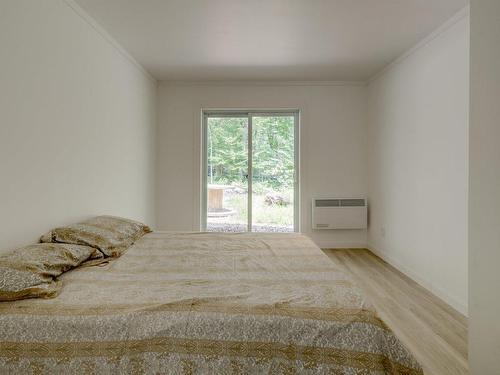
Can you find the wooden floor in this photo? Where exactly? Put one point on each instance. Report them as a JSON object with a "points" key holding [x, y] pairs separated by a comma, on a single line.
{"points": [[434, 332]]}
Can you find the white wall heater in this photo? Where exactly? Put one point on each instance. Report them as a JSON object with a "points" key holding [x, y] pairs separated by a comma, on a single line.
{"points": [[339, 213]]}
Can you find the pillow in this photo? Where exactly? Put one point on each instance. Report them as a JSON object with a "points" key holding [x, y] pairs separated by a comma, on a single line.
{"points": [[109, 234], [96, 259], [31, 271]]}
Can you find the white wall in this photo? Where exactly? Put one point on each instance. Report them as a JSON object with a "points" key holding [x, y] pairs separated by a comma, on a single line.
{"points": [[333, 144], [484, 197], [417, 162], [77, 123]]}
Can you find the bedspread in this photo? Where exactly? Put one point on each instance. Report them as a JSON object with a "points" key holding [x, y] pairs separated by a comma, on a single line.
{"points": [[204, 303]]}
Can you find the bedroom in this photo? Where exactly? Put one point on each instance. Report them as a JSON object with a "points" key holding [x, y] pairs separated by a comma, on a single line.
{"points": [[102, 106]]}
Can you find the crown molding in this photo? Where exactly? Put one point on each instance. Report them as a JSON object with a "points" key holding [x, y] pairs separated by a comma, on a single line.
{"points": [[461, 14], [262, 83], [107, 37]]}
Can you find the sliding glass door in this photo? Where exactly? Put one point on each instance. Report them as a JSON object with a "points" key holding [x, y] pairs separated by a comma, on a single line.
{"points": [[250, 174]]}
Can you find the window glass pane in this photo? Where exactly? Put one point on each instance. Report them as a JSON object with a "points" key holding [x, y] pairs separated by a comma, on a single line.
{"points": [[227, 174], [273, 168]]}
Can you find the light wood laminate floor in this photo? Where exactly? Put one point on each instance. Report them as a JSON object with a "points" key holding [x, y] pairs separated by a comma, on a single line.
{"points": [[433, 331]]}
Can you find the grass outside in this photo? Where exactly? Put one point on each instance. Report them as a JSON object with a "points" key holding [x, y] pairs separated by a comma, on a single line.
{"points": [[262, 213]]}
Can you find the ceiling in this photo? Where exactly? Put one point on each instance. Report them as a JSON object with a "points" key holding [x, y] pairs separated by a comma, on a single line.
{"points": [[346, 40]]}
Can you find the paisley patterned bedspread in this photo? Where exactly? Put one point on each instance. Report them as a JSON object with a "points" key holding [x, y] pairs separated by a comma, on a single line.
{"points": [[203, 303]]}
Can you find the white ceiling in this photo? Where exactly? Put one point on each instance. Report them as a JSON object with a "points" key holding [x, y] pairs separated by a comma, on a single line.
{"points": [[268, 39]]}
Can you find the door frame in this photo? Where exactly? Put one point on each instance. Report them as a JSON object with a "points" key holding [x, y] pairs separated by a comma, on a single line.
{"points": [[249, 114]]}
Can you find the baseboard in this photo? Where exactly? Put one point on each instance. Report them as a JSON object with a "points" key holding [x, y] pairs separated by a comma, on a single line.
{"points": [[415, 276], [326, 244]]}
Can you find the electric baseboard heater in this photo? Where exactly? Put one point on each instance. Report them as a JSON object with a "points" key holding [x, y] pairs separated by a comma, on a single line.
{"points": [[339, 213]]}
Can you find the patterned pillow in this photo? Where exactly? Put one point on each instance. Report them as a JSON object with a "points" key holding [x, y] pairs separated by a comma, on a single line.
{"points": [[109, 234], [31, 271]]}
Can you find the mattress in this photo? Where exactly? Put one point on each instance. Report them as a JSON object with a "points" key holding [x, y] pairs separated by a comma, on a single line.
{"points": [[204, 303]]}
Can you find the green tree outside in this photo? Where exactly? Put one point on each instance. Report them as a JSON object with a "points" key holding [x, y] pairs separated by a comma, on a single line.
{"points": [[273, 151]]}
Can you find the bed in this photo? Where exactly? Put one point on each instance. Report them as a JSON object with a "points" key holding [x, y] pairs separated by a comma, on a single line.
{"points": [[203, 303]]}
